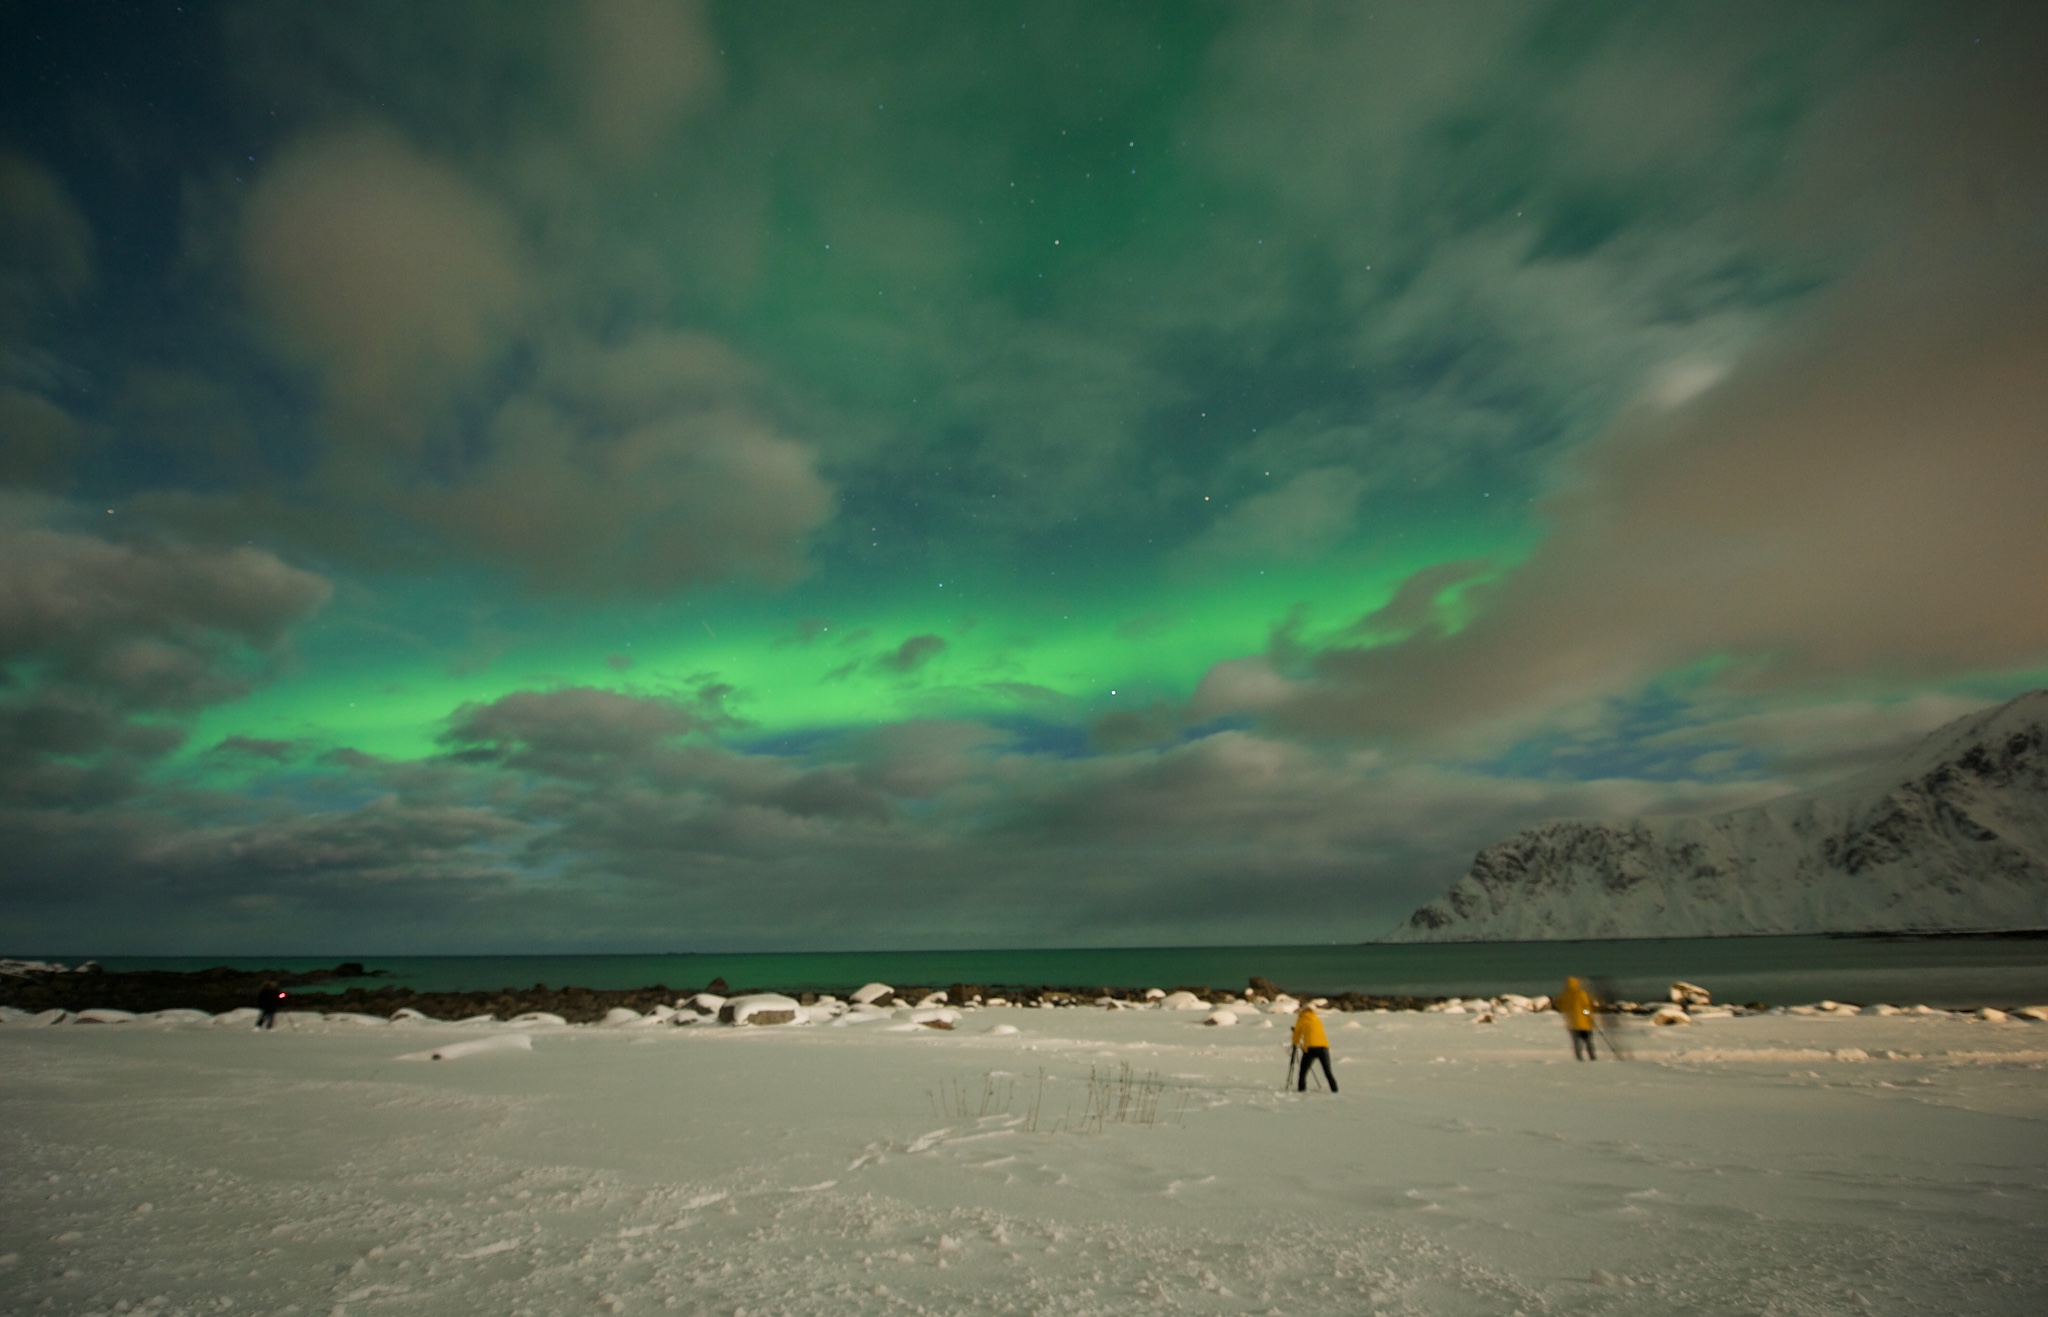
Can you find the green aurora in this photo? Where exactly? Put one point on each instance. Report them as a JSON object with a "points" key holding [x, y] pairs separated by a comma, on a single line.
{"points": [[640, 474]]}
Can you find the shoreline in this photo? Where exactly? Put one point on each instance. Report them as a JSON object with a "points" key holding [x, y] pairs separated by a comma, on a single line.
{"points": [[222, 989], [36, 988]]}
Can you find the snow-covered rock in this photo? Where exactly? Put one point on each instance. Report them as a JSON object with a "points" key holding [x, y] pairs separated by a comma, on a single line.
{"points": [[105, 1015], [707, 1001], [927, 1017], [937, 998], [1182, 1001], [1221, 1016], [1690, 994], [36, 1019], [760, 1008], [1991, 1014], [2037, 1013], [179, 1015], [1154, 994], [535, 1017], [407, 1015], [23, 968], [1673, 1014], [1951, 835], [621, 1015], [871, 992]]}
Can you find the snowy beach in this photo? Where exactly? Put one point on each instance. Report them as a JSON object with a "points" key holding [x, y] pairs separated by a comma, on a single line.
{"points": [[1770, 1163]]}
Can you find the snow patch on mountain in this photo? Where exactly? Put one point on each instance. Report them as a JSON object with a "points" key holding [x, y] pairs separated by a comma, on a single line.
{"points": [[1952, 835]]}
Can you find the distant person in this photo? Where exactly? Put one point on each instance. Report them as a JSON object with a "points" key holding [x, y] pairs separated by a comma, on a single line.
{"points": [[1575, 1004], [267, 1002], [1314, 1045]]}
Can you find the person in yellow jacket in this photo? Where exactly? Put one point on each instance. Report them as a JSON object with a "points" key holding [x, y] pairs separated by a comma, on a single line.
{"points": [[1314, 1045], [1575, 1004]]}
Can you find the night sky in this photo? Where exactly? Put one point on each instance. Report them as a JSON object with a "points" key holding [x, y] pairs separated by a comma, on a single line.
{"points": [[642, 476]]}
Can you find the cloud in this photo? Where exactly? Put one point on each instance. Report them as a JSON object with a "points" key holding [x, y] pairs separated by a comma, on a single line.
{"points": [[105, 647], [647, 63], [1301, 520], [1854, 501], [566, 732], [46, 244], [388, 268], [1864, 506], [912, 654], [160, 626], [259, 747], [636, 466]]}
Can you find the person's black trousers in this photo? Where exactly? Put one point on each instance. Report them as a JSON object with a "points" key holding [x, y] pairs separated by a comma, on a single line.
{"points": [[1582, 1045], [1309, 1054]]}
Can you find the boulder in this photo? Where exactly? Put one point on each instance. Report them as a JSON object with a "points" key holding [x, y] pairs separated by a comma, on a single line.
{"points": [[760, 1008], [871, 992], [1221, 1017], [1690, 994], [1991, 1014], [1673, 1014], [2037, 1013], [1182, 1001], [104, 1015]]}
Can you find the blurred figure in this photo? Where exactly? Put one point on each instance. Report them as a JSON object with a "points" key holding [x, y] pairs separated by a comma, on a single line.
{"points": [[1575, 1004], [1609, 1018], [267, 1001], [1314, 1045]]}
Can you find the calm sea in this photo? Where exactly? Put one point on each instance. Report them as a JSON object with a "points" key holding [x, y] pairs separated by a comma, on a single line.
{"points": [[1776, 970]]}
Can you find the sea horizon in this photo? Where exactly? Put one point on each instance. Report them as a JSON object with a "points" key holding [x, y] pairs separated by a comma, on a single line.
{"points": [[1939, 969]]}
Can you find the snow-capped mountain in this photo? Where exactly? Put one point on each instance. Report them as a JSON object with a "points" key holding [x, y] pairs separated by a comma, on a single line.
{"points": [[1952, 835]]}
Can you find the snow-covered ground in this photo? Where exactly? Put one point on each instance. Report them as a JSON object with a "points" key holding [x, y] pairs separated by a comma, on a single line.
{"points": [[1752, 1165]]}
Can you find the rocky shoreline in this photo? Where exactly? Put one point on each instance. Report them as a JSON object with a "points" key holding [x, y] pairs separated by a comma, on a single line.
{"points": [[223, 989], [38, 988]]}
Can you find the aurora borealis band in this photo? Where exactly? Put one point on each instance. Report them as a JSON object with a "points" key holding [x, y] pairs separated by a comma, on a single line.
{"points": [[652, 475]]}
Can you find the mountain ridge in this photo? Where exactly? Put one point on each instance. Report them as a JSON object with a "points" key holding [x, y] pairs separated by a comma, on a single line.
{"points": [[1950, 836]]}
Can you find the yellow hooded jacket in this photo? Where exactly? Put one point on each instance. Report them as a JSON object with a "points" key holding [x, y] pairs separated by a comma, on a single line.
{"points": [[1308, 1029], [1575, 1004]]}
